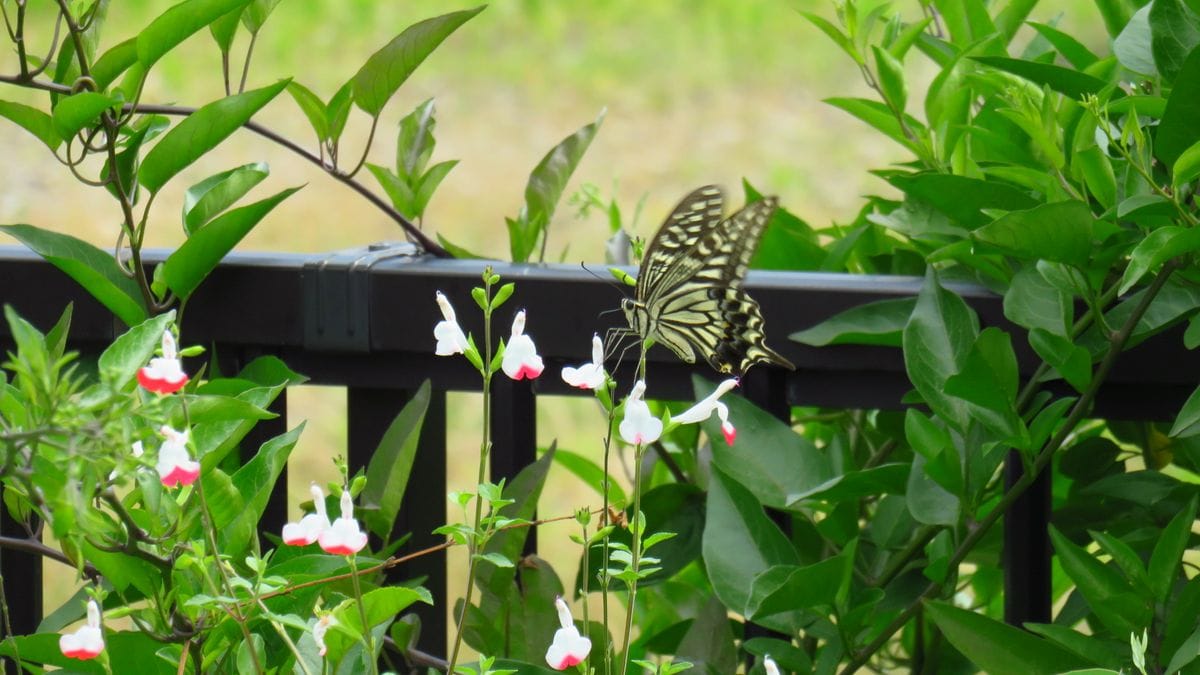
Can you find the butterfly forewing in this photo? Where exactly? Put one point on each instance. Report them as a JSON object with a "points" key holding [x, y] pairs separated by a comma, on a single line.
{"points": [[689, 294]]}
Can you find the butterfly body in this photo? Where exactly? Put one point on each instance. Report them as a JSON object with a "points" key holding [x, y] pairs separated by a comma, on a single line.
{"points": [[689, 294]]}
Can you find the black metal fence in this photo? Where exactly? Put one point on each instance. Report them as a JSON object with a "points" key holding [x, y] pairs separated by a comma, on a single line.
{"points": [[363, 319]]}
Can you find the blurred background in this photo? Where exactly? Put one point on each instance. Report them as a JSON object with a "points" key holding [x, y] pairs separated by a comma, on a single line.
{"points": [[696, 91]]}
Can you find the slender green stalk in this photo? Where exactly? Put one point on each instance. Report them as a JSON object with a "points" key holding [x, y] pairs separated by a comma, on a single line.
{"points": [[485, 447], [368, 635], [604, 580], [233, 609], [638, 527]]}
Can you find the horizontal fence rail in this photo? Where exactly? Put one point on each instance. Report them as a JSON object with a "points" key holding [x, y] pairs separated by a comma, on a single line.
{"points": [[363, 319]]}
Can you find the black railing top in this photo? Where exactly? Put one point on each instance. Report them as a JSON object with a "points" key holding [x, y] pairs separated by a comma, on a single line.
{"points": [[313, 310]]}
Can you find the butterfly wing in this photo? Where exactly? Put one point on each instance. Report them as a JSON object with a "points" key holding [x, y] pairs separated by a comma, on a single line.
{"points": [[691, 278]]}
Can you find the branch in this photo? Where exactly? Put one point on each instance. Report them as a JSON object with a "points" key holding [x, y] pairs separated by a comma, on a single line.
{"points": [[34, 546], [1082, 406]]}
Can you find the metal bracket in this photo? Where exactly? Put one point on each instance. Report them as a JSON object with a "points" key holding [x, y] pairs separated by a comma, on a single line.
{"points": [[337, 310]]}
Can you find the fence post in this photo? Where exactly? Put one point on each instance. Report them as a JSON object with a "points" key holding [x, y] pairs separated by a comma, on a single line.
{"points": [[514, 434], [423, 508], [1027, 552]]}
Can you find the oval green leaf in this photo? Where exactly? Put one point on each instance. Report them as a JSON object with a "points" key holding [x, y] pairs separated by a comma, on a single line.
{"points": [[32, 120], [178, 24], [201, 132], [204, 200]]}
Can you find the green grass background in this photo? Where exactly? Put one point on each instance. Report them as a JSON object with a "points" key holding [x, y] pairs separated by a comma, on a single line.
{"points": [[696, 91]]}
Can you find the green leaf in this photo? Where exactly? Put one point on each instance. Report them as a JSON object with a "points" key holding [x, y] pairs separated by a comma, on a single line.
{"points": [[227, 507], [338, 110], [381, 605], [391, 464], [312, 107], [1059, 232], [880, 117], [132, 350], [998, 648], [784, 588], [1097, 171], [548, 180], [214, 194], [32, 120], [1187, 423], [834, 33], [1187, 166], [740, 543], [937, 339], [591, 474], [119, 58], [200, 132], [224, 29], [250, 653], [256, 14], [415, 141], [708, 643], [94, 269], [189, 264], [1168, 552], [1160, 246], [927, 500], [1074, 51], [1132, 47], [388, 68], [255, 481], [1085, 646], [875, 323], [1110, 597], [75, 112], [1073, 363], [1032, 302], [961, 198], [1186, 653], [177, 24], [775, 463], [988, 381], [1078, 85], [1125, 558], [891, 77], [429, 183], [1178, 131], [1174, 33]]}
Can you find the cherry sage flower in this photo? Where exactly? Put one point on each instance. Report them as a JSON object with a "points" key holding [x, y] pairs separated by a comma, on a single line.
{"points": [[639, 426], [88, 641], [343, 537], [310, 526], [769, 665], [164, 374], [569, 648], [450, 337], [589, 375], [319, 630], [521, 359], [175, 466], [704, 409]]}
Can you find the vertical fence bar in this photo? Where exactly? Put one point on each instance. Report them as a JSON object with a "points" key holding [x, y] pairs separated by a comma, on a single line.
{"points": [[514, 434], [1027, 592], [275, 515], [22, 578], [423, 509]]}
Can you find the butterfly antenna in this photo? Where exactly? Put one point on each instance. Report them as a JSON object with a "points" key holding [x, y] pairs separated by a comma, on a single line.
{"points": [[606, 279]]}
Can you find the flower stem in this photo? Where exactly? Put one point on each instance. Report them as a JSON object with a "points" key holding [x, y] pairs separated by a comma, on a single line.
{"points": [[612, 415], [368, 635], [485, 447], [637, 527]]}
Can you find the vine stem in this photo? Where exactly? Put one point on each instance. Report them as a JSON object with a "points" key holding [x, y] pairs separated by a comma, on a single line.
{"points": [[1116, 343]]}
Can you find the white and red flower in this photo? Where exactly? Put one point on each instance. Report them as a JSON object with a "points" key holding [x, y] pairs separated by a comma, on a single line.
{"points": [[639, 426], [175, 466], [165, 373], [449, 335], [705, 407], [589, 375], [319, 630], [769, 665], [569, 648], [88, 641], [521, 359], [310, 526], [343, 537]]}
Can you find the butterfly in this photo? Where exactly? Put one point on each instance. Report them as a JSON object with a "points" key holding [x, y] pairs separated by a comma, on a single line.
{"points": [[689, 293]]}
